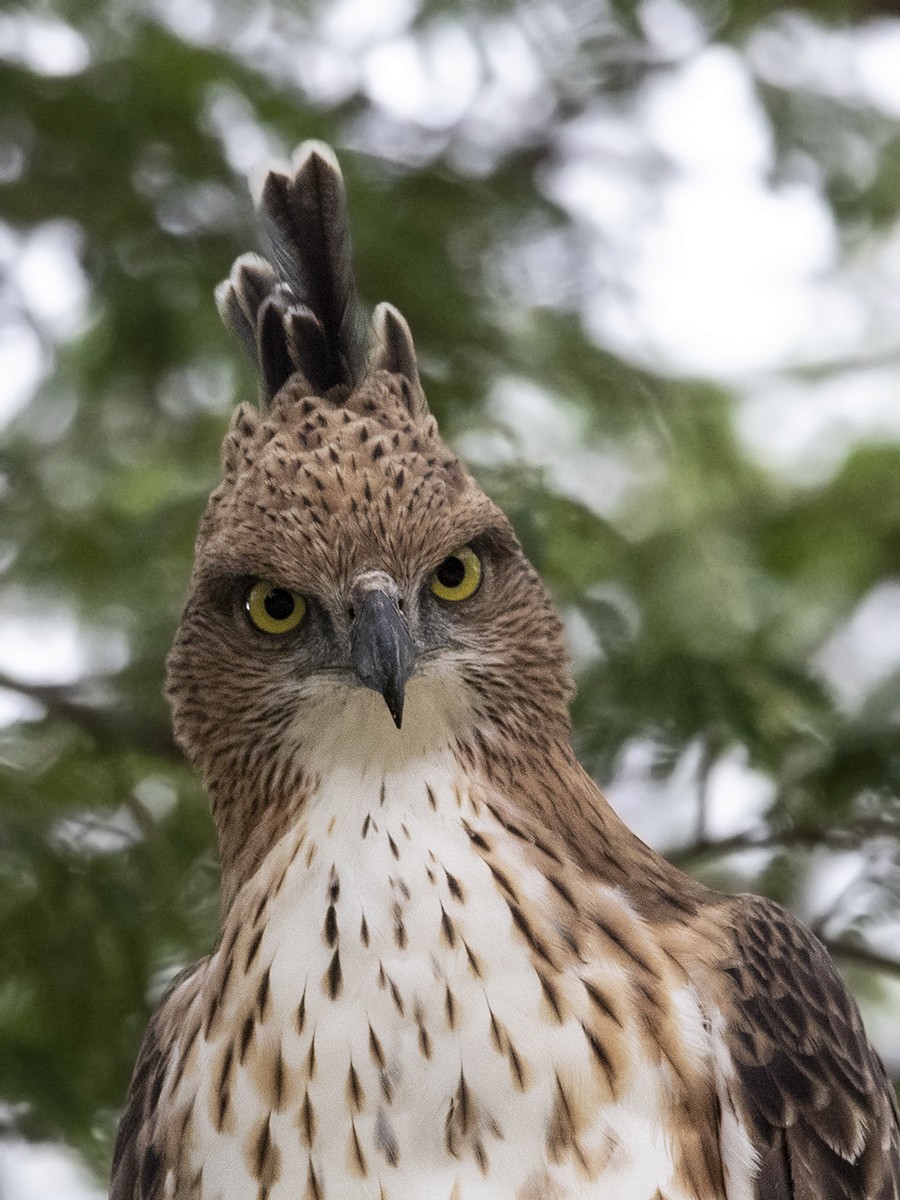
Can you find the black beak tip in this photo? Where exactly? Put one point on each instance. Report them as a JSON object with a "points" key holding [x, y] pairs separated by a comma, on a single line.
{"points": [[393, 696], [381, 652]]}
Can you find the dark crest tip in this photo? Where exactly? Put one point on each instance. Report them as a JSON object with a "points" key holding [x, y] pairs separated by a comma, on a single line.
{"points": [[297, 311], [304, 159]]}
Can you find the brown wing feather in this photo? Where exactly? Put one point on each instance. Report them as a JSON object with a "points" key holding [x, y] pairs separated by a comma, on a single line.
{"points": [[814, 1093], [138, 1167]]}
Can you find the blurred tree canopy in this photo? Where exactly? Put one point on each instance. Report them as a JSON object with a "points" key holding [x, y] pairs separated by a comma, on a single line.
{"points": [[701, 454]]}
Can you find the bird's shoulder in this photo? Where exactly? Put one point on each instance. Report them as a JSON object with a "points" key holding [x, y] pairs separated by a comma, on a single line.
{"points": [[137, 1166], [812, 1091]]}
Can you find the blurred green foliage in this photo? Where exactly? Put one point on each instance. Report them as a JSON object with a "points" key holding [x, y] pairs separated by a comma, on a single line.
{"points": [[703, 595]]}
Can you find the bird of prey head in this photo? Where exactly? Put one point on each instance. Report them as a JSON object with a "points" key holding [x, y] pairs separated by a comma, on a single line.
{"points": [[384, 573]]}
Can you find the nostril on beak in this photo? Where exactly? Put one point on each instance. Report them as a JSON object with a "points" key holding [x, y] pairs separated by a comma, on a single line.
{"points": [[351, 612]]}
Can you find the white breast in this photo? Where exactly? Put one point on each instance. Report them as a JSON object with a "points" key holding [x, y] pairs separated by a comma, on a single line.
{"points": [[403, 1046]]}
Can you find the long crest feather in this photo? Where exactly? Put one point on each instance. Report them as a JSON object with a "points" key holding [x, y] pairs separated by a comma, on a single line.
{"points": [[306, 220], [300, 313]]}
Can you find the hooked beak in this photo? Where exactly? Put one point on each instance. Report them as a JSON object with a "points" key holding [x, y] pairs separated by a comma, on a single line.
{"points": [[382, 654]]}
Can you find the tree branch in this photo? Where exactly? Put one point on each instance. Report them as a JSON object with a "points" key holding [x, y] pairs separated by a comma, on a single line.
{"points": [[862, 956], [841, 837], [838, 837], [91, 704]]}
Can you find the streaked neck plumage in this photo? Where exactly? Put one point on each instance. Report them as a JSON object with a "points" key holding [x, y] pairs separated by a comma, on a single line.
{"points": [[411, 948]]}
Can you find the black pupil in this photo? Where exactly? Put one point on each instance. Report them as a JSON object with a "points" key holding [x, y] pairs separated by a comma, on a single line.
{"points": [[451, 572], [279, 604]]}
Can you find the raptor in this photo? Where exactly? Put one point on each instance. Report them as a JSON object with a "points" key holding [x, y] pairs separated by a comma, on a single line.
{"points": [[446, 970]]}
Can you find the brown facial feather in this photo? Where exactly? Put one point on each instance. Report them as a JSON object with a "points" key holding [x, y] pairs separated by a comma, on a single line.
{"points": [[341, 486]]}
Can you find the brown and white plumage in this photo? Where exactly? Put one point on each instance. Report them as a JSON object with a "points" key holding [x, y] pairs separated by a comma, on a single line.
{"points": [[446, 968]]}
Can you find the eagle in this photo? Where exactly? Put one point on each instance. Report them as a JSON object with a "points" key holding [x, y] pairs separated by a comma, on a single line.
{"points": [[446, 969]]}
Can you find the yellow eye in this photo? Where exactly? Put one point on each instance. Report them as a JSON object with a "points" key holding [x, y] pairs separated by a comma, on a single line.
{"points": [[458, 576], [274, 609]]}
